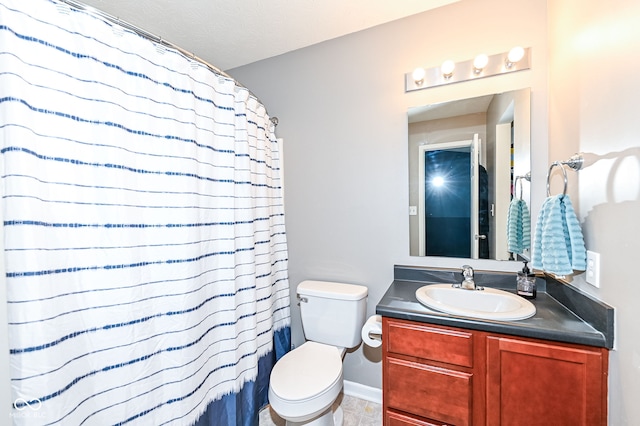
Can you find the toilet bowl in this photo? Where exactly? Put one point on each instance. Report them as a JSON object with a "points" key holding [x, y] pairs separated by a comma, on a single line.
{"points": [[306, 382]]}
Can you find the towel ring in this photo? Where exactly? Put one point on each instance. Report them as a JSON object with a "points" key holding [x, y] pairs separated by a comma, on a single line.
{"points": [[521, 190], [526, 177], [564, 175], [519, 181]]}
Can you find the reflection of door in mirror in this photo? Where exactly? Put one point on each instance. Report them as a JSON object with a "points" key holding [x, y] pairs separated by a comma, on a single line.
{"points": [[453, 207], [503, 125]]}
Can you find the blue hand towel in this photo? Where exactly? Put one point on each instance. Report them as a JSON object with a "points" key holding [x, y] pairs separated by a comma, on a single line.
{"points": [[555, 253], [558, 245], [536, 250], [518, 226], [573, 238], [526, 226]]}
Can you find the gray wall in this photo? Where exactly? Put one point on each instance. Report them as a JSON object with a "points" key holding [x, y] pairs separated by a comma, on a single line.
{"points": [[343, 117], [594, 91]]}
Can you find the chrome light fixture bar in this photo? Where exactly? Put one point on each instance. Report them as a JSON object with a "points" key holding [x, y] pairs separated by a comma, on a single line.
{"points": [[517, 59]]}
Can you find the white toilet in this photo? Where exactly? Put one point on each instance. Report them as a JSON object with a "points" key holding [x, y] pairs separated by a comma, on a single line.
{"points": [[305, 382]]}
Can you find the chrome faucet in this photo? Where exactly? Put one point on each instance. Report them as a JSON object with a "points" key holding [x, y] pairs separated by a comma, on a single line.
{"points": [[468, 283]]}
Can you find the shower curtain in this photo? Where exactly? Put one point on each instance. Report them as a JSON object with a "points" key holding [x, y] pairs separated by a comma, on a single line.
{"points": [[143, 221]]}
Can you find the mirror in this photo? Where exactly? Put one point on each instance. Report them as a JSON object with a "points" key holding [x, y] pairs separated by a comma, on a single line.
{"points": [[468, 158]]}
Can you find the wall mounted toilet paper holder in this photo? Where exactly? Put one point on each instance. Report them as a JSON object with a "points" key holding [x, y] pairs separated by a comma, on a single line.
{"points": [[372, 331], [375, 336]]}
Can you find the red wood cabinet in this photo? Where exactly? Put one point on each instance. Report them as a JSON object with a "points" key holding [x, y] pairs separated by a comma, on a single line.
{"points": [[539, 383], [437, 375]]}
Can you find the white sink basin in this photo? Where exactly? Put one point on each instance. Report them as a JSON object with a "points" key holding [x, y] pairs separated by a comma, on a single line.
{"points": [[489, 303]]}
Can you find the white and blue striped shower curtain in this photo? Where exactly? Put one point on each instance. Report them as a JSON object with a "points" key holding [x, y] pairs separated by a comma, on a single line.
{"points": [[144, 239]]}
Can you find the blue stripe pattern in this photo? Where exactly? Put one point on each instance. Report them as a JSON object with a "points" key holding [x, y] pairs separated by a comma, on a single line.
{"points": [[145, 246]]}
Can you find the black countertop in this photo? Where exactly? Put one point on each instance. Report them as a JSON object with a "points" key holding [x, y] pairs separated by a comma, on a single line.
{"points": [[563, 313]]}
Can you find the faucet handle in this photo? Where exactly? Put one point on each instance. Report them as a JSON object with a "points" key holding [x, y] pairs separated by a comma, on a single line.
{"points": [[467, 272]]}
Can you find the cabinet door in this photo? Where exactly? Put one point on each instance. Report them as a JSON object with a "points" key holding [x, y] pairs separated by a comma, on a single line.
{"points": [[540, 383]]}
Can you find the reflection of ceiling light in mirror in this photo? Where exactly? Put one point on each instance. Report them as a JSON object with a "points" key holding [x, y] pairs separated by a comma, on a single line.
{"points": [[515, 55], [447, 68], [480, 62], [437, 181], [418, 75]]}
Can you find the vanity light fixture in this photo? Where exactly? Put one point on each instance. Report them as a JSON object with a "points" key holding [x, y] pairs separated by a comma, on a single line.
{"points": [[479, 62], [515, 55], [418, 76], [447, 68], [481, 66]]}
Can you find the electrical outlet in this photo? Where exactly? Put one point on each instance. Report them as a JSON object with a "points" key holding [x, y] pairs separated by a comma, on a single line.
{"points": [[413, 210], [593, 268]]}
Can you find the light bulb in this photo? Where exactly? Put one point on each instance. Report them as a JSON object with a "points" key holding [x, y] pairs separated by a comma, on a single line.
{"points": [[480, 62], [418, 76], [514, 56], [447, 68]]}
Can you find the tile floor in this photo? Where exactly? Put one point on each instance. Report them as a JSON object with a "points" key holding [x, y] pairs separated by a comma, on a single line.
{"points": [[357, 412]]}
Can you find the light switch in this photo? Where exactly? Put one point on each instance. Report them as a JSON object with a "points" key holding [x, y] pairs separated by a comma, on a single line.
{"points": [[413, 210], [593, 268]]}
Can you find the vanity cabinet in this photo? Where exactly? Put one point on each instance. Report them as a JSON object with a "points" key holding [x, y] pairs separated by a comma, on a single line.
{"points": [[537, 382], [439, 375]]}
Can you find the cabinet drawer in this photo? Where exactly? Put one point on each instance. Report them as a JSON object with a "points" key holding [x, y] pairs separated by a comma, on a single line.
{"points": [[396, 419], [430, 392], [430, 342]]}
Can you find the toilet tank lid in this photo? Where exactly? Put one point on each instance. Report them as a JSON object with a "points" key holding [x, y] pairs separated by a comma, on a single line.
{"points": [[331, 290]]}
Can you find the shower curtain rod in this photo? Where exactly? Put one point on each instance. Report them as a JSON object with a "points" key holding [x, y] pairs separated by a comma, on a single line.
{"points": [[158, 40]]}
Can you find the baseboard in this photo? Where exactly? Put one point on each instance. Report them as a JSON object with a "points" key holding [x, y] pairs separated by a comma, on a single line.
{"points": [[367, 393]]}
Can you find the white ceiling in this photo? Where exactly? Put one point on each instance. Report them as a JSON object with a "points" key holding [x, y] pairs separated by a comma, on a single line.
{"points": [[231, 33]]}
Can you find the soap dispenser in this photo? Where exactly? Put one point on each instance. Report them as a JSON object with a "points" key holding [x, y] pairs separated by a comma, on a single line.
{"points": [[526, 283]]}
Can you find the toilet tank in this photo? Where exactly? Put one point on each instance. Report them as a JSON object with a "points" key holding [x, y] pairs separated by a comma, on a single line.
{"points": [[332, 313]]}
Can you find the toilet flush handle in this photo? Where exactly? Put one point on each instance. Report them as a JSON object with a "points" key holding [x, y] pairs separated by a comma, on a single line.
{"points": [[302, 299]]}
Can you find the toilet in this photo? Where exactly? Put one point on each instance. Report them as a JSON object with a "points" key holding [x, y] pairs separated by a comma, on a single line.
{"points": [[306, 381]]}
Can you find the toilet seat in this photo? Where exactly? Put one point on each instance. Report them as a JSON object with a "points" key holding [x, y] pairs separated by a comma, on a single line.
{"points": [[306, 381]]}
